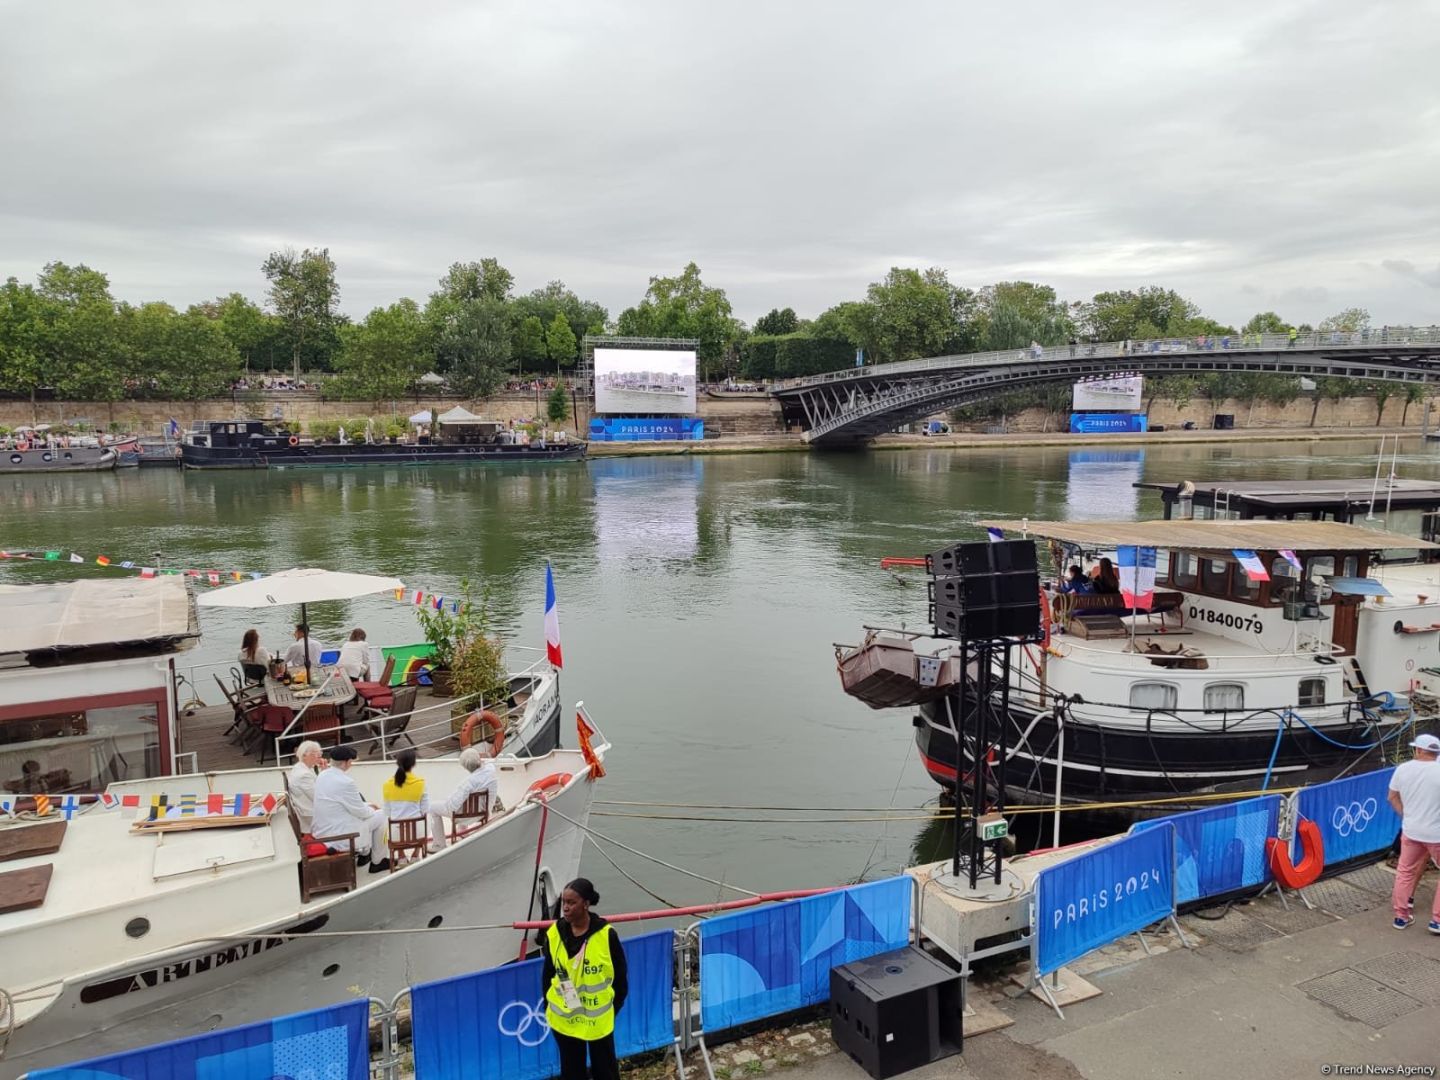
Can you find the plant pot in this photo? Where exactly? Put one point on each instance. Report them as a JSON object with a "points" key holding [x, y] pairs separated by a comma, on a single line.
{"points": [[440, 682]]}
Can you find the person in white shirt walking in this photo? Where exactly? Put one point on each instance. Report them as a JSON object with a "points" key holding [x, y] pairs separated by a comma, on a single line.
{"points": [[1415, 795], [341, 809], [482, 778], [302, 782]]}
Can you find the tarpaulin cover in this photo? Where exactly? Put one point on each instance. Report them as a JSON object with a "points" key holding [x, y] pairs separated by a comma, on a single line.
{"points": [[411, 662], [1095, 898], [1354, 815], [1221, 848], [333, 1044], [492, 1023], [772, 960]]}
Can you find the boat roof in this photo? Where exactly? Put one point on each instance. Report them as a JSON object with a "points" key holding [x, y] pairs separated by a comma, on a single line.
{"points": [[1211, 535], [97, 612], [1291, 494]]}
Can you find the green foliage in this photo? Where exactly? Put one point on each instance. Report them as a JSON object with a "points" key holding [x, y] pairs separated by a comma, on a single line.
{"points": [[464, 645], [789, 356], [329, 430], [1349, 320], [485, 280], [557, 405], [1265, 322], [472, 338], [560, 341], [1149, 312], [777, 321], [584, 316], [530, 342], [304, 295], [188, 356], [685, 307], [382, 357], [1015, 313]]}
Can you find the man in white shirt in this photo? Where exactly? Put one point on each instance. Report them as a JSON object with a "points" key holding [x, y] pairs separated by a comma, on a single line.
{"points": [[302, 782], [341, 809], [295, 655], [1415, 795], [482, 778]]}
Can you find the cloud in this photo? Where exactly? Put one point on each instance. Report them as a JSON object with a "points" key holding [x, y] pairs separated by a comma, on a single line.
{"points": [[795, 151], [1405, 268]]}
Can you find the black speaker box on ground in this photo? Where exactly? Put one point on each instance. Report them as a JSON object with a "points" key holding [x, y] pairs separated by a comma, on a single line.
{"points": [[896, 1011], [983, 591]]}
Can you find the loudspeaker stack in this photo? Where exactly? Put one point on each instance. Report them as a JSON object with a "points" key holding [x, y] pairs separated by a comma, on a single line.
{"points": [[985, 591]]}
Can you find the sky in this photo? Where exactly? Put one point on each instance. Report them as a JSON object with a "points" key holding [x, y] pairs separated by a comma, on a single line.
{"points": [[1252, 156]]}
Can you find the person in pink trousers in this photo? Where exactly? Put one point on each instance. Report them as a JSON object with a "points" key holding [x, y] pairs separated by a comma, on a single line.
{"points": [[1415, 795]]}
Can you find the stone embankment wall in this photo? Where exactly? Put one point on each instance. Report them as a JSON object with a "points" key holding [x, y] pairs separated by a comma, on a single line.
{"points": [[1356, 412]]}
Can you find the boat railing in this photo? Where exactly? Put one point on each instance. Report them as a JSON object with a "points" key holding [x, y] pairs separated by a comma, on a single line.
{"points": [[1307, 647]]}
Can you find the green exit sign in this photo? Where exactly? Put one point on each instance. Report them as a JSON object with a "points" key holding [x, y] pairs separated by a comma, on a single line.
{"points": [[993, 827]]}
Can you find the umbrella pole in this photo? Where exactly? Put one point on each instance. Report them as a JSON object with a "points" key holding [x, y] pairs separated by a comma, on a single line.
{"points": [[305, 642]]}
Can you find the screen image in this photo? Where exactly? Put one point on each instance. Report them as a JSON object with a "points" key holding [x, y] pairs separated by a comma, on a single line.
{"points": [[635, 381], [1116, 394]]}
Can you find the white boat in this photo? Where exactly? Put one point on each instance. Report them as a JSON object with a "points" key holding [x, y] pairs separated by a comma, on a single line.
{"points": [[144, 937]]}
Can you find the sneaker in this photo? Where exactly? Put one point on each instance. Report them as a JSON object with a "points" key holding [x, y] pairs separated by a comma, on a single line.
{"points": [[1402, 921], [1434, 926], [380, 867]]}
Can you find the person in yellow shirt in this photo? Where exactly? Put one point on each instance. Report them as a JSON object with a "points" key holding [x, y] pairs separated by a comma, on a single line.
{"points": [[586, 981], [404, 793]]}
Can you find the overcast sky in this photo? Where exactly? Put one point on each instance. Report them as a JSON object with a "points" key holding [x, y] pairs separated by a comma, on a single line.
{"points": [[1279, 155]]}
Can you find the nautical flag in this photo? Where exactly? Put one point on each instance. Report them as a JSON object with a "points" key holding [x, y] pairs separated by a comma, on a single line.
{"points": [[188, 804], [419, 597], [995, 535], [1136, 566], [213, 577], [236, 575], [255, 575], [127, 566], [1289, 556], [52, 556], [240, 805], [75, 558], [7, 805], [130, 802], [158, 805], [102, 560], [108, 801], [269, 802], [147, 571], [68, 805], [400, 593], [587, 733], [215, 804], [552, 621], [438, 601], [42, 805], [1254, 568]]}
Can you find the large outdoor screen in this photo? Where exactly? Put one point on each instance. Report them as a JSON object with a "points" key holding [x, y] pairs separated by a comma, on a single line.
{"points": [[1111, 393], [638, 381]]}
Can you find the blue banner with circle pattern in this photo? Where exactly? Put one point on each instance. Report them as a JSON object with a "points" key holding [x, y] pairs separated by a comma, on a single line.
{"points": [[1354, 815]]}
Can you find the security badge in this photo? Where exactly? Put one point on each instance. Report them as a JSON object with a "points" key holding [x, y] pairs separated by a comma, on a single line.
{"points": [[568, 993]]}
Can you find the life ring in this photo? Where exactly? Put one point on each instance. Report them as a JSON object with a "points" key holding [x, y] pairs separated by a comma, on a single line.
{"points": [[294, 440], [1312, 862], [546, 783], [474, 720]]}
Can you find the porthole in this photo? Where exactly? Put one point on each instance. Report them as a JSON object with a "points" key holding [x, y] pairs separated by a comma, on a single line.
{"points": [[330, 969], [16, 459], [137, 927], [69, 456], [436, 921], [47, 456]]}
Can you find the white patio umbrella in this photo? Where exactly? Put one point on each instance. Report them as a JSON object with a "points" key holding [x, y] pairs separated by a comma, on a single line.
{"points": [[423, 417], [303, 585]]}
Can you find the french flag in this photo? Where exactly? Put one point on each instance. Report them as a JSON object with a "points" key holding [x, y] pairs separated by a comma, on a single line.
{"points": [[552, 621], [1136, 570]]}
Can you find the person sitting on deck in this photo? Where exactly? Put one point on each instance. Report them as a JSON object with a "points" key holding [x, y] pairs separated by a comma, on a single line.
{"points": [[341, 809], [1075, 582], [355, 655], [304, 643], [251, 651], [404, 794], [1107, 581], [475, 761], [302, 782]]}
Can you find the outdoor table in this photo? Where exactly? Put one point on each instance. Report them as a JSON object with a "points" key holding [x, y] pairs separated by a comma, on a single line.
{"points": [[337, 693]]}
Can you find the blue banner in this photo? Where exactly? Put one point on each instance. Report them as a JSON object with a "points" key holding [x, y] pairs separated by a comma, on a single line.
{"points": [[1221, 848], [1095, 898], [646, 428], [776, 959], [492, 1023], [1107, 423], [327, 1044], [1354, 815]]}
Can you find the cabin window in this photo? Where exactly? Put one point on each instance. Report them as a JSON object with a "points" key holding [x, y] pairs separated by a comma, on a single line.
{"points": [[1244, 588], [1312, 692], [1224, 697], [58, 752], [1214, 576], [1153, 695], [1351, 566], [1183, 569], [1320, 566]]}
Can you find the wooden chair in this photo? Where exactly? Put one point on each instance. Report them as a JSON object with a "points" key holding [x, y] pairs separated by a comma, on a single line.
{"points": [[322, 871], [272, 720], [239, 707], [322, 723], [408, 838], [378, 694], [401, 706], [475, 814]]}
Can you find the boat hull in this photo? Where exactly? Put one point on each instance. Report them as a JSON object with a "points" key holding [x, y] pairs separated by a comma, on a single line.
{"points": [[336, 456], [59, 459]]}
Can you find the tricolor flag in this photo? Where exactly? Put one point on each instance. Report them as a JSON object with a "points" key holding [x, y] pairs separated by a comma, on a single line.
{"points": [[1254, 568], [552, 621], [75, 558], [1291, 558], [995, 535], [240, 805], [1136, 568], [147, 571]]}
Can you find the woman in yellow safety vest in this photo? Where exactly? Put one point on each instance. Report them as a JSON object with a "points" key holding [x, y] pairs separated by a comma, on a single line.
{"points": [[585, 985]]}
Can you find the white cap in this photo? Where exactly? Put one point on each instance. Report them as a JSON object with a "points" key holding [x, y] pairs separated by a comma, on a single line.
{"points": [[1429, 743]]}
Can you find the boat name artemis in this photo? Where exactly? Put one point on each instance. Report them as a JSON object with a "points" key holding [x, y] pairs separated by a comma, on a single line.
{"points": [[1226, 618], [198, 965]]}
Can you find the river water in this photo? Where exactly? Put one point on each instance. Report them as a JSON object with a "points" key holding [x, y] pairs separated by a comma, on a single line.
{"points": [[699, 601]]}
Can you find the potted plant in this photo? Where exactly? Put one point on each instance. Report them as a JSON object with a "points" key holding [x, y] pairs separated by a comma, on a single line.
{"points": [[468, 659], [478, 678]]}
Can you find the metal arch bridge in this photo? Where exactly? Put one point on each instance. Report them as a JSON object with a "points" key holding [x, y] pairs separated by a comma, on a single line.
{"points": [[845, 407]]}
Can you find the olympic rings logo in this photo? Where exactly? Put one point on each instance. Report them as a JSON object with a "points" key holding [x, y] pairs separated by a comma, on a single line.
{"points": [[1354, 818], [527, 1020]]}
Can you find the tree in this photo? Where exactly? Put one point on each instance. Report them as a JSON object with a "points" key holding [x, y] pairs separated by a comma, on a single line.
{"points": [[382, 357], [685, 307], [557, 405], [1347, 321], [1414, 394], [908, 315], [303, 294], [1015, 313], [483, 280], [27, 358], [243, 324], [1332, 388], [530, 342], [472, 341], [560, 341], [87, 357], [778, 321], [1149, 312], [1266, 322], [584, 316], [1382, 392]]}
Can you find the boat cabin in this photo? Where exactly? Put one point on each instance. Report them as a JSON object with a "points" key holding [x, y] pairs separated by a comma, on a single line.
{"points": [[86, 682], [236, 435]]}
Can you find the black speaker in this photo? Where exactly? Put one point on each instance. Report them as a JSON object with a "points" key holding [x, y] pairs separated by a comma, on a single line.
{"points": [[985, 591], [896, 1011]]}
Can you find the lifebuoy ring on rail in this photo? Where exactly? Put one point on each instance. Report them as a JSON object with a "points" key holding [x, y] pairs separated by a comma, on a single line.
{"points": [[474, 720], [294, 440], [546, 783], [1312, 862]]}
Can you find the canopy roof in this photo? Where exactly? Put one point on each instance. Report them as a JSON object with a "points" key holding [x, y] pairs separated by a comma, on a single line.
{"points": [[96, 612], [431, 379], [459, 415], [1291, 495], [303, 585], [1211, 535], [424, 416]]}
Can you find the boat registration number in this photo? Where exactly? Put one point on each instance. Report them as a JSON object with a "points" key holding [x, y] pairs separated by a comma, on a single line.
{"points": [[1226, 618]]}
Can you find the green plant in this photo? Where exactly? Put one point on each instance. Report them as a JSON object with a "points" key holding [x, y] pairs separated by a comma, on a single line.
{"points": [[557, 408], [477, 667], [457, 621], [395, 427]]}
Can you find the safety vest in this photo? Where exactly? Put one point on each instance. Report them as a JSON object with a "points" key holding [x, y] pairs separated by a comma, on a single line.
{"points": [[593, 975]]}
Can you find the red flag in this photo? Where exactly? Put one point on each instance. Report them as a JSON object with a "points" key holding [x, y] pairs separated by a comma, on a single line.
{"points": [[102, 560], [586, 733], [268, 802], [130, 800], [215, 804]]}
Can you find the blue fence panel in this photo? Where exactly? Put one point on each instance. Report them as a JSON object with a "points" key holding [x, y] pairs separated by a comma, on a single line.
{"points": [[1221, 848], [646, 428], [1354, 815], [759, 963], [326, 1044], [492, 1023], [1095, 898]]}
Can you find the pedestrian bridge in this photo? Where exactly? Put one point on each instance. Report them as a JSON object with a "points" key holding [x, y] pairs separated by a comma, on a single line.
{"points": [[846, 407]]}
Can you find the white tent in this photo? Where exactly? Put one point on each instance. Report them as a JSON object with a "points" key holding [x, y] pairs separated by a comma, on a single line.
{"points": [[431, 379], [459, 415], [423, 417]]}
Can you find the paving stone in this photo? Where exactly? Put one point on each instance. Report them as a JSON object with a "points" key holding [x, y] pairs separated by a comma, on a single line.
{"points": [[1360, 997]]}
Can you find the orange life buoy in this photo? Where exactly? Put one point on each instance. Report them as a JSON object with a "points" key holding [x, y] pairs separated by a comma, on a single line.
{"points": [[545, 783], [474, 720], [1312, 862], [294, 440]]}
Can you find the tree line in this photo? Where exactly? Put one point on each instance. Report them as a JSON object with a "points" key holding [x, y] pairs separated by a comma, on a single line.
{"points": [[66, 335]]}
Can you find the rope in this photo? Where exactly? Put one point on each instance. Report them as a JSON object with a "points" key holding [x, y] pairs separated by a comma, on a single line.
{"points": [[621, 871], [7, 1014]]}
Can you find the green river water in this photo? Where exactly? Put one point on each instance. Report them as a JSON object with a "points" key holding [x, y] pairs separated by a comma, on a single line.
{"points": [[699, 600]]}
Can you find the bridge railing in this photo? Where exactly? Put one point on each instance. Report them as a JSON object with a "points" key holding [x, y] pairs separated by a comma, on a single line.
{"points": [[1387, 336]]}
